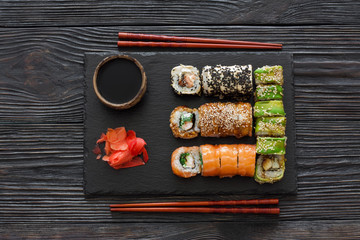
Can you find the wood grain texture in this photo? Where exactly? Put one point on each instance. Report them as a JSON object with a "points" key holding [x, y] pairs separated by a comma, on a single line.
{"points": [[42, 69], [273, 230], [42, 130], [157, 12]]}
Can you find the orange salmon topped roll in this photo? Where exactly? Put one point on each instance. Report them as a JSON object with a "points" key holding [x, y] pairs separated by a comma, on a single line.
{"points": [[186, 161], [211, 160], [228, 160], [246, 160]]}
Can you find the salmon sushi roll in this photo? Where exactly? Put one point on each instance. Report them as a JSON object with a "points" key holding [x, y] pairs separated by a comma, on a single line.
{"points": [[211, 160], [228, 160], [186, 162], [246, 160]]}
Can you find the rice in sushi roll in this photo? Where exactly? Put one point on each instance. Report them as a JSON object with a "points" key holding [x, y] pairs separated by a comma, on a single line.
{"points": [[228, 81], [186, 161], [185, 80], [184, 122]]}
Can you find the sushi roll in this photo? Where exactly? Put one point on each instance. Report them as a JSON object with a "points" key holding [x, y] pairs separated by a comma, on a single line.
{"points": [[269, 109], [269, 168], [225, 119], [225, 160], [211, 160], [184, 122], [228, 160], [270, 126], [185, 80], [269, 75], [246, 160], [228, 81], [186, 162], [271, 145], [269, 92]]}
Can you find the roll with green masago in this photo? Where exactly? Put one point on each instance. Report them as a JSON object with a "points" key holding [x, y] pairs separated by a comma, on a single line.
{"points": [[269, 168], [184, 122], [185, 80]]}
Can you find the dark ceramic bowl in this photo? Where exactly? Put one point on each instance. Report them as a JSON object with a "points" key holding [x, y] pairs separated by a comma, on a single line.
{"points": [[118, 76]]}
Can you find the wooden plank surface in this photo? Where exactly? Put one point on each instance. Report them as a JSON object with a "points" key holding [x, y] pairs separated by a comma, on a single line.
{"points": [[42, 106], [184, 12], [216, 230]]}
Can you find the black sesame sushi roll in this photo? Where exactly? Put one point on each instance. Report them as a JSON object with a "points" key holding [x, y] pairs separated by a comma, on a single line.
{"points": [[184, 122], [185, 80], [228, 81]]}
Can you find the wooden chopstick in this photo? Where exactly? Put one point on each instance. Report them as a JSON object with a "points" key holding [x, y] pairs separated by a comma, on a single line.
{"points": [[200, 210], [199, 203], [191, 45], [153, 37]]}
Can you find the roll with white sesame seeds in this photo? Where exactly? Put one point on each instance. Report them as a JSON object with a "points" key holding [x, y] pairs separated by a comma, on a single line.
{"points": [[225, 119]]}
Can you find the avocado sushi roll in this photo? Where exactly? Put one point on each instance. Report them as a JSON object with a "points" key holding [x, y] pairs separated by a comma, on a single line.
{"points": [[269, 75], [185, 80], [271, 145], [184, 122], [269, 168], [269, 109], [269, 92], [270, 126]]}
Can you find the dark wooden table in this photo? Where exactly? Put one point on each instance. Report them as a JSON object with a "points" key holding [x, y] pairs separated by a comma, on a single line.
{"points": [[42, 46]]}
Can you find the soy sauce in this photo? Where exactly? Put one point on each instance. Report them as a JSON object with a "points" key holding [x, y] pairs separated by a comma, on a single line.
{"points": [[119, 80]]}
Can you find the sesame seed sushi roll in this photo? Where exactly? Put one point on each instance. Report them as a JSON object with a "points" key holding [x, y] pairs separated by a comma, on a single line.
{"points": [[185, 80], [269, 168], [228, 81], [186, 162], [271, 145], [269, 92], [272, 108], [269, 75], [184, 122], [225, 119], [270, 126]]}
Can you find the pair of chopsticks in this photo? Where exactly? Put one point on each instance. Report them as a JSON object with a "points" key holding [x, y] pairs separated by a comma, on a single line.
{"points": [[152, 40], [199, 207]]}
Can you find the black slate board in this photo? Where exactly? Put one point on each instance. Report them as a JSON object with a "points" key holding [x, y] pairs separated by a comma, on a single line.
{"points": [[150, 120]]}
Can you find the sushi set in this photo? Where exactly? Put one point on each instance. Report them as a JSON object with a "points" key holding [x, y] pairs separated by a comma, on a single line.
{"points": [[226, 129]]}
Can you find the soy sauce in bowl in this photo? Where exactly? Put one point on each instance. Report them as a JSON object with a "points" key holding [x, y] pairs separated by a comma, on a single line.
{"points": [[119, 81]]}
